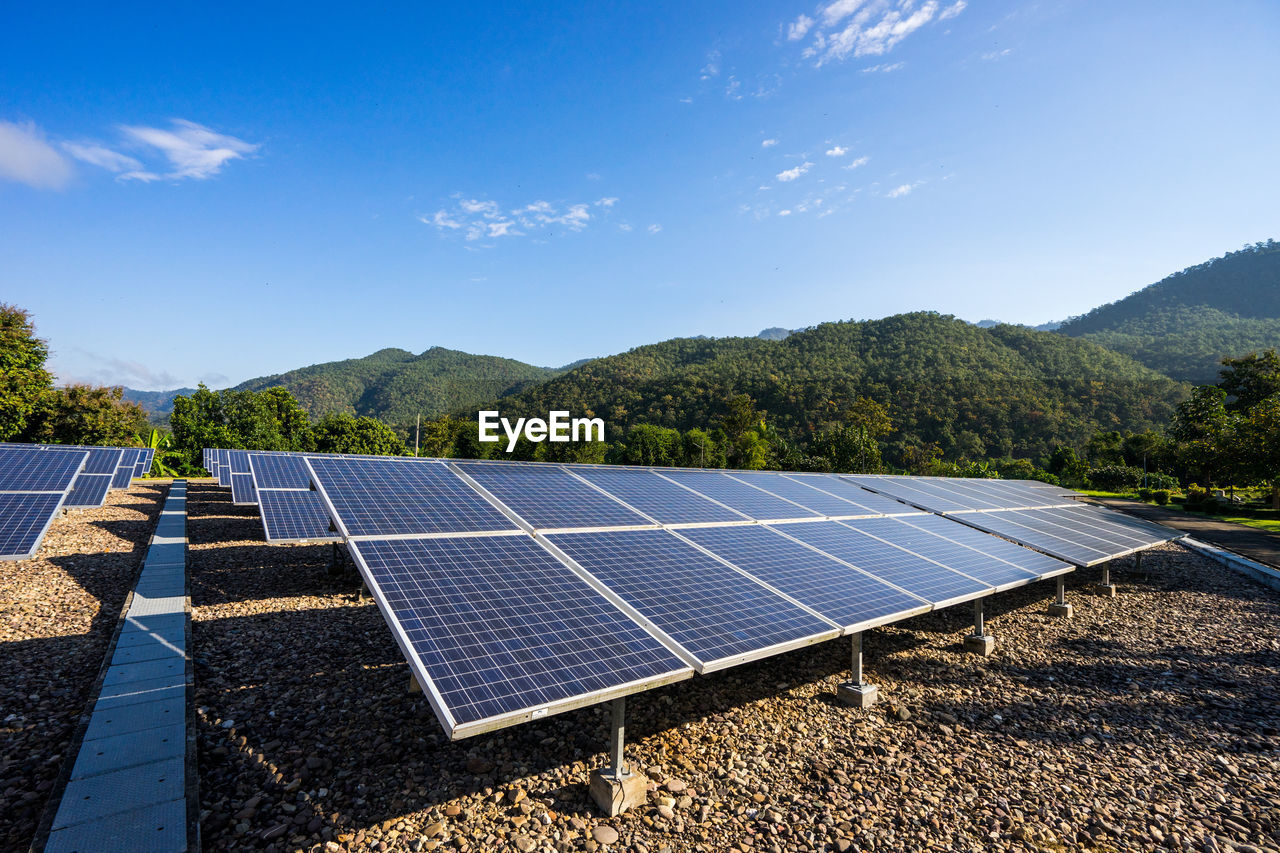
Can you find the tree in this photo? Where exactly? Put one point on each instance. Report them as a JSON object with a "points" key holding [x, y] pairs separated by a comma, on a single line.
{"points": [[647, 444], [85, 414], [701, 450], [1105, 448], [339, 432], [1200, 425], [1250, 379], [23, 377], [1066, 465], [1255, 444]]}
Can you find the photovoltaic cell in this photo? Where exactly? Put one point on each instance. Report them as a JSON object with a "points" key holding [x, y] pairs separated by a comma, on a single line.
{"points": [[822, 503], [842, 594], [923, 494], [1144, 531], [947, 553], [391, 496], [657, 497], [102, 460], [23, 521], [501, 627], [124, 473], [143, 467], [549, 497], [242, 491], [36, 469], [852, 492], [1051, 539], [1040, 565], [89, 490], [291, 515], [711, 610], [748, 500], [897, 566], [224, 468], [279, 471]]}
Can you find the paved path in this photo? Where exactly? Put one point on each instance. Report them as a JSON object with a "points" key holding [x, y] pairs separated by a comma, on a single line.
{"points": [[1249, 542], [128, 788]]}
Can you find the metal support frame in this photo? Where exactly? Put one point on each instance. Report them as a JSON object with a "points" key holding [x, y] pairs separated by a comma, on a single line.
{"points": [[1062, 591], [1137, 561], [977, 617], [979, 642], [617, 759], [856, 692], [855, 668], [1106, 573]]}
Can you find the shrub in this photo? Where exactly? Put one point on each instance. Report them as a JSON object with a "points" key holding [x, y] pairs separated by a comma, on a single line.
{"points": [[1161, 496], [1116, 478], [1156, 480], [1196, 496], [1144, 494]]}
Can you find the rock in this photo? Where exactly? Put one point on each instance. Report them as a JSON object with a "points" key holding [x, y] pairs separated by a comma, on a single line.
{"points": [[479, 766], [675, 786], [605, 834], [515, 795]]}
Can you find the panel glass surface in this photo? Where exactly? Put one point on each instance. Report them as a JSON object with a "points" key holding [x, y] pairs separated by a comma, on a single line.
{"points": [[946, 552], [23, 519], [502, 626], [124, 473], [89, 490], [242, 491], [549, 497], [293, 514], [823, 503], [1145, 531], [224, 468], [844, 595], [887, 562], [907, 489], [1051, 539], [102, 460], [838, 485], [747, 500], [143, 467], [656, 497], [385, 497], [279, 471], [707, 607], [32, 469], [1040, 565]]}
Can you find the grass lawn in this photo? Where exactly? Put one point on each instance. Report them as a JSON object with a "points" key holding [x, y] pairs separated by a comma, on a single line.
{"points": [[1263, 519]]}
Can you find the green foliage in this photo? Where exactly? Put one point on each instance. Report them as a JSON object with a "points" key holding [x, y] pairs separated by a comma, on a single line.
{"points": [[167, 461], [1250, 379], [339, 432], [1068, 467], [251, 420], [84, 414], [1158, 480], [1185, 325], [396, 386], [1115, 478], [1200, 426], [976, 393], [1161, 496], [23, 377], [646, 444]]}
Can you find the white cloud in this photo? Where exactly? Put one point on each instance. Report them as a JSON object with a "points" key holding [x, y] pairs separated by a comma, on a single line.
{"points": [[768, 143], [192, 150], [865, 27], [902, 190], [27, 158], [654, 228], [733, 91], [837, 151], [996, 54], [624, 227], [793, 173], [712, 68], [784, 213], [800, 28], [117, 371], [102, 157], [486, 219], [883, 68], [861, 161]]}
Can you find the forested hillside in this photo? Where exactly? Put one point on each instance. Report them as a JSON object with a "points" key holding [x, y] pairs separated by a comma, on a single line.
{"points": [[979, 393], [395, 385], [1186, 324]]}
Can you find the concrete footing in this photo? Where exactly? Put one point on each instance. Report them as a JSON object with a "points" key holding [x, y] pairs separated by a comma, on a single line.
{"points": [[1106, 590], [857, 695], [1061, 610], [615, 794], [984, 645], [414, 686]]}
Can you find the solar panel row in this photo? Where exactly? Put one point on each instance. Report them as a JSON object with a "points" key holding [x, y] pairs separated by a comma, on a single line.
{"points": [[34, 483]]}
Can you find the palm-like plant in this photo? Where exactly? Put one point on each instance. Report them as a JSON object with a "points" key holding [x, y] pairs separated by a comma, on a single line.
{"points": [[166, 461]]}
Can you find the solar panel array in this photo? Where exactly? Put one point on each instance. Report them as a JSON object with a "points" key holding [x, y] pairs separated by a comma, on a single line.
{"points": [[34, 483], [521, 589], [1044, 518]]}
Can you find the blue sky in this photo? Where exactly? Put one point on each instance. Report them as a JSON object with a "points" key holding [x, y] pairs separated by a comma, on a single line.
{"points": [[226, 194]]}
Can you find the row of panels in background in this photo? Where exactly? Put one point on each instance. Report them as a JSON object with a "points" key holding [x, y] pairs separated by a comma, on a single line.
{"points": [[37, 481], [516, 590]]}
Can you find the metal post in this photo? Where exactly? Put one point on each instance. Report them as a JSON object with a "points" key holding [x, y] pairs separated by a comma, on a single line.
{"points": [[1106, 573], [618, 760], [1137, 562], [1062, 591], [855, 676], [977, 618]]}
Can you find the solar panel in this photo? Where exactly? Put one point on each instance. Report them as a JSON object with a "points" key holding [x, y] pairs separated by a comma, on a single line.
{"points": [[294, 515], [717, 614], [748, 500], [950, 495], [1144, 531], [396, 496], [924, 494], [36, 469], [1040, 565], [242, 491], [145, 458], [224, 468], [548, 497], [279, 471], [1054, 539], [848, 597], [889, 563], [821, 502], [24, 518], [948, 553], [124, 472], [498, 631], [89, 490], [655, 496], [837, 485]]}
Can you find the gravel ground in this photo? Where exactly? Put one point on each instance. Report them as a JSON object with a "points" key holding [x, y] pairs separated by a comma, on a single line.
{"points": [[1146, 722], [57, 615]]}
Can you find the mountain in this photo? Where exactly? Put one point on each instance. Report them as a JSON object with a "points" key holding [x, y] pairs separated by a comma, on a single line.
{"points": [[396, 385], [158, 404], [774, 333], [1004, 390], [1186, 324]]}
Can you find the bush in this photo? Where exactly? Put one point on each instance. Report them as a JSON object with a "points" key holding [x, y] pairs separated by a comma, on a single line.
{"points": [[1196, 496], [1116, 478], [1156, 480], [1161, 496], [1144, 494]]}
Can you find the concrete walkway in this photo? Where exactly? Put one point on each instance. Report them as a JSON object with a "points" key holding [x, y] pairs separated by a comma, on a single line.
{"points": [[1258, 545], [128, 788]]}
